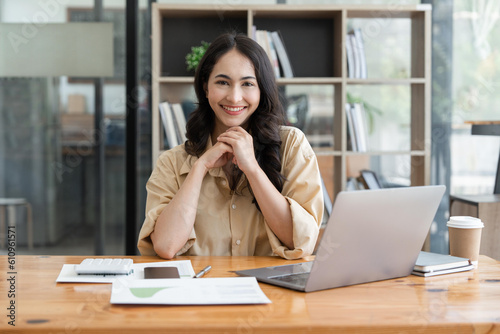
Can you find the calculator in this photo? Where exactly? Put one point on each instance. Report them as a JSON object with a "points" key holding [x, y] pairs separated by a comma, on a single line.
{"points": [[101, 266]]}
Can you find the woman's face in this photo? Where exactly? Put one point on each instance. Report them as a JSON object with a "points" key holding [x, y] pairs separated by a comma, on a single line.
{"points": [[232, 91]]}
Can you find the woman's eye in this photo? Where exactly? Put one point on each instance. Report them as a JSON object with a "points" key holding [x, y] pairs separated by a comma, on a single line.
{"points": [[222, 82], [248, 84]]}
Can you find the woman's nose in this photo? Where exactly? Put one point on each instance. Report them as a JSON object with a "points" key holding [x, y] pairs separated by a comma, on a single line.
{"points": [[234, 94]]}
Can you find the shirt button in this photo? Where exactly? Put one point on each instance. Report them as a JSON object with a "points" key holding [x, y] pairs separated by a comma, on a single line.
{"points": [[238, 242], [233, 206]]}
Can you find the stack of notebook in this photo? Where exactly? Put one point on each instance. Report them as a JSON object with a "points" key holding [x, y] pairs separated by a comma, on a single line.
{"points": [[431, 264]]}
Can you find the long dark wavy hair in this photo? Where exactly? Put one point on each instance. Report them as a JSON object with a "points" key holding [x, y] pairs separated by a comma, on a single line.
{"points": [[264, 123]]}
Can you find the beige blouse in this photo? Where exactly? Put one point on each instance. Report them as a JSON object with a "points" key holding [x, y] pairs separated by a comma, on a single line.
{"points": [[229, 223]]}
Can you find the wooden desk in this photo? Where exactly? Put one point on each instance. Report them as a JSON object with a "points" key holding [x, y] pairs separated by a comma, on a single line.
{"points": [[463, 302]]}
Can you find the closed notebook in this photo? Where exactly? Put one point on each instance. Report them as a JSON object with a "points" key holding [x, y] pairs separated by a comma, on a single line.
{"points": [[433, 262]]}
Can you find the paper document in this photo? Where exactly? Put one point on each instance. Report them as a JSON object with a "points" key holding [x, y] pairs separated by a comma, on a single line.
{"points": [[198, 291], [68, 274]]}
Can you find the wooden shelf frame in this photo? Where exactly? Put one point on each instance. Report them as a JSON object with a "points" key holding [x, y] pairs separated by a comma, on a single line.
{"points": [[331, 21]]}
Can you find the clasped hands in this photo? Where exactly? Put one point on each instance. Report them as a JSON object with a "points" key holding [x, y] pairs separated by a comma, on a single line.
{"points": [[235, 145]]}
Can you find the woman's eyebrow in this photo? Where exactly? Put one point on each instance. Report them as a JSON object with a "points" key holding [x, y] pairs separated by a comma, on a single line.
{"points": [[249, 77], [223, 76]]}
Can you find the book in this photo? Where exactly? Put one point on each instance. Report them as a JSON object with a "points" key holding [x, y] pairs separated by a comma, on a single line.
{"points": [[274, 55], [273, 45], [360, 47], [355, 54], [349, 56], [369, 179], [262, 38], [284, 61], [180, 121], [360, 128], [351, 136], [431, 264], [169, 126], [353, 184]]}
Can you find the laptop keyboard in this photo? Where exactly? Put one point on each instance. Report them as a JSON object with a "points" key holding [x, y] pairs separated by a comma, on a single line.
{"points": [[299, 279], [297, 268]]}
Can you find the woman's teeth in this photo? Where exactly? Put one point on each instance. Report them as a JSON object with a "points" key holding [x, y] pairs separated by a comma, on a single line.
{"points": [[234, 109]]}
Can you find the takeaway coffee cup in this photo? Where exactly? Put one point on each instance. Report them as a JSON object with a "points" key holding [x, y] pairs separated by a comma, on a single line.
{"points": [[465, 237]]}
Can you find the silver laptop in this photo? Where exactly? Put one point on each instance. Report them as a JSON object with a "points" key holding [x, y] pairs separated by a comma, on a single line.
{"points": [[371, 235]]}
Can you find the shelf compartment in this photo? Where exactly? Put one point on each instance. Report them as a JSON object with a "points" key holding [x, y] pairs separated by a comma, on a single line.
{"points": [[388, 110], [389, 11], [182, 29], [310, 107], [310, 39]]}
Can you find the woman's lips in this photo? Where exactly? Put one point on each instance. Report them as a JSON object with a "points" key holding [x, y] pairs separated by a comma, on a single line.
{"points": [[233, 110]]}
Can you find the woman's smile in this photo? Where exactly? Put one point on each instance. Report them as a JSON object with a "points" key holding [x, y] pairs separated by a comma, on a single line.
{"points": [[233, 110]]}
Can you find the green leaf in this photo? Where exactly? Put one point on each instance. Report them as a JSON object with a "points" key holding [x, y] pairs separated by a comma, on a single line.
{"points": [[197, 52]]}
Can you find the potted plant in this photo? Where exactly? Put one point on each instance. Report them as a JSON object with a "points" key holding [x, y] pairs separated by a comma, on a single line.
{"points": [[193, 58]]}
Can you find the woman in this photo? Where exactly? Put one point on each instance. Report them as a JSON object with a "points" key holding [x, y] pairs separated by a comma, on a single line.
{"points": [[242, 184]]}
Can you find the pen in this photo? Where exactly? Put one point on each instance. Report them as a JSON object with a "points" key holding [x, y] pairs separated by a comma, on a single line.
{"points": [[203, 272]]}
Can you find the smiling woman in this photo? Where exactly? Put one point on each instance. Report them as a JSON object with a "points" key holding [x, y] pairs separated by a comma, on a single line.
{"points": [[243, 183]]}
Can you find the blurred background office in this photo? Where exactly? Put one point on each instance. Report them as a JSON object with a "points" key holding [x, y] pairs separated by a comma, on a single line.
{"points": [[63, 136]]}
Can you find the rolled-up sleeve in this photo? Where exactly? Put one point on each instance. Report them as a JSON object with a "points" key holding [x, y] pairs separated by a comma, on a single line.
{"points": [[162, 185], [302, 189]]}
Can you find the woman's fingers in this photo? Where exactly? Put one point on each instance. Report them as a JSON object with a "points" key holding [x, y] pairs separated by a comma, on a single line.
{"points": [[217, 156], [241, 143]]}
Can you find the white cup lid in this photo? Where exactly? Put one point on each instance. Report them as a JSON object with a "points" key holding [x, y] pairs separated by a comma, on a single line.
{"points": [[465, 222]]}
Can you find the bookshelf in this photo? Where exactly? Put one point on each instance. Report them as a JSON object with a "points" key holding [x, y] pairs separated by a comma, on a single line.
{"points": [[315, 37]]}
